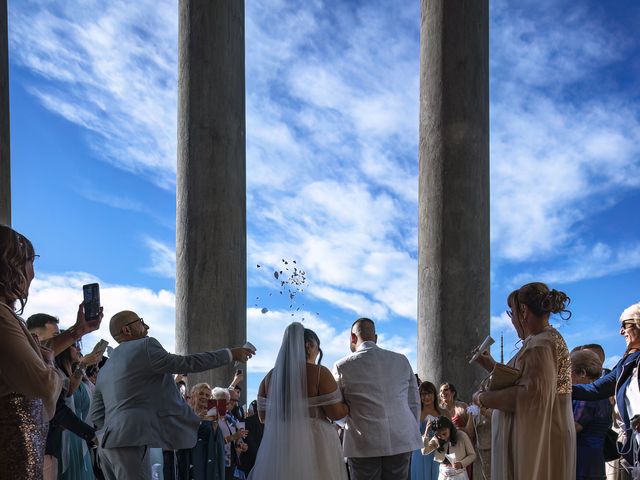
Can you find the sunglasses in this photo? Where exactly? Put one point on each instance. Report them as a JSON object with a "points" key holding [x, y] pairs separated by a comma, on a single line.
{"points": [[141, 320]]}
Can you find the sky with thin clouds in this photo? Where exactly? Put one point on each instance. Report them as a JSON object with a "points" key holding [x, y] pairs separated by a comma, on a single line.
{"points": [[332, 146]]}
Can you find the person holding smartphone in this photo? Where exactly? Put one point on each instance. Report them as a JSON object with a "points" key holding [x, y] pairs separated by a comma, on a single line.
{"points": [[136, 405], [29, 382]]}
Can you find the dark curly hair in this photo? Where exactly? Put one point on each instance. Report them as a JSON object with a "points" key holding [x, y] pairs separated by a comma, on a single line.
{"points": [[15, 252], [541, 300], [445, 422]]}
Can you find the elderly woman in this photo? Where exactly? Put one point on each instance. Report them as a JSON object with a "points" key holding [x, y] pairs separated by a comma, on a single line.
{"points": [[29, 384], [622, 382], [453, 448], [592, 419], [534, 436]]}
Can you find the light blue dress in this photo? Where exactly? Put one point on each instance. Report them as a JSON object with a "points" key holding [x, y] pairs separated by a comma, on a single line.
{"points": [[77, 465], [423, 467]]}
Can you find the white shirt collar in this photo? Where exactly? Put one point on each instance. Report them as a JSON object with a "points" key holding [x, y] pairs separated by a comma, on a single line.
{"points": [[365, 345]]}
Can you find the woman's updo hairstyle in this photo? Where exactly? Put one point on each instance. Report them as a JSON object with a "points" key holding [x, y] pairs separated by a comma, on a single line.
{"points": [[311, 337], [15, 251], [540, 300]]}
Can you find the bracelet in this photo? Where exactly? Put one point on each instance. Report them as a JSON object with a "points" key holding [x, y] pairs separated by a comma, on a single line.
{"points": [[79, 369], [73, 333]]}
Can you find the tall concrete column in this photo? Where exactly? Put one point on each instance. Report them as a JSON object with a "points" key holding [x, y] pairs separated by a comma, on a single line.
{"points": [[453, 296], [211, 204], [5, 151]]}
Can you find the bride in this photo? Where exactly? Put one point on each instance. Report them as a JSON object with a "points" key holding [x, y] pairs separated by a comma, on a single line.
{"points": [[295, 401]]}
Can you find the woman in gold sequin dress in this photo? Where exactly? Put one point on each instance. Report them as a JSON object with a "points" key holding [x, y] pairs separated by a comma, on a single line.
{"points": [[532, 426], [29, 384]]}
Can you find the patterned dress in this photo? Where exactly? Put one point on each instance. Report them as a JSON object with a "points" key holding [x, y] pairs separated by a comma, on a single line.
{"points": [[538, 440]]}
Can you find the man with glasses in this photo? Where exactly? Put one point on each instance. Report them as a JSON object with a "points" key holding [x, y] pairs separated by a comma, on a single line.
{"points": [[136, 404]]}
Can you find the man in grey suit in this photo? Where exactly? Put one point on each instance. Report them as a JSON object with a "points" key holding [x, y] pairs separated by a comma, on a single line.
{"points": [[136, 404], [382, 428]]}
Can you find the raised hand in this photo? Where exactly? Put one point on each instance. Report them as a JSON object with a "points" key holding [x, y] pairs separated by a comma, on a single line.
{"points": [[241, 354], [84, 326]]}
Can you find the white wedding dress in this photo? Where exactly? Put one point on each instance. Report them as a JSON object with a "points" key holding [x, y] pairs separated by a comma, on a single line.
{"points": [[299, 443]]}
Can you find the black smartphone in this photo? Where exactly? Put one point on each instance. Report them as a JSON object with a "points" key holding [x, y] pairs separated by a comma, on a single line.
{"points": [[91, 294]]}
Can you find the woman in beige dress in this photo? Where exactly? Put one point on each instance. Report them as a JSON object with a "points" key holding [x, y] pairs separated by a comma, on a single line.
{"points": [[533, 432]]}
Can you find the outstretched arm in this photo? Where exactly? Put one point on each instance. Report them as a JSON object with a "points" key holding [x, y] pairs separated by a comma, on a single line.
{"points": [[162, 361]]}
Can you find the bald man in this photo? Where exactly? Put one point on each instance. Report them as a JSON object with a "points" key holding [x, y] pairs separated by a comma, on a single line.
{"points": [[136, 404]]}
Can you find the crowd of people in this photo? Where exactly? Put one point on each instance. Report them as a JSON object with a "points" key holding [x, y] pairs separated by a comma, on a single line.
{"points": [[548, 413]]}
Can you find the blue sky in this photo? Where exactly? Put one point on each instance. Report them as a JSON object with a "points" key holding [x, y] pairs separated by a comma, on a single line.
{"points": [[332, 130]]}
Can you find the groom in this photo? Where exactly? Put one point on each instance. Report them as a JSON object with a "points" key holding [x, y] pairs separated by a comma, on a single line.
{"points": [[382, 428]]}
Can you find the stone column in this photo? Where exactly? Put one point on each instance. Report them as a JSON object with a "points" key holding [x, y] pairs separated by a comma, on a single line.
{"points": [[453, 291], [5, 151], [211, 205]]}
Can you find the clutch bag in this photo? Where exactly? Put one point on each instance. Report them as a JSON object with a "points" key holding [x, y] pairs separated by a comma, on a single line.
{"points": [[503, 376]]}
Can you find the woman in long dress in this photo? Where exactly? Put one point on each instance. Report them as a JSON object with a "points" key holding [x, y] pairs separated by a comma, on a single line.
{"points": [[295, 401], [534, 436], [424, 467]]}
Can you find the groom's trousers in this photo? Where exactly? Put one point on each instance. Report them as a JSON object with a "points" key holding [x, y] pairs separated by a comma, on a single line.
{"points": [[392, 467]]}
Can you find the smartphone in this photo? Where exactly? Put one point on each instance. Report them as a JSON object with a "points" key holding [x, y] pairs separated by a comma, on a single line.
{"points": [[100, 347], [91, 294]]}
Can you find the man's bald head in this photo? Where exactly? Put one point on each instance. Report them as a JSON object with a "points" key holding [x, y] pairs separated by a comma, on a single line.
{"points": [[127, 325], [362, 330]]}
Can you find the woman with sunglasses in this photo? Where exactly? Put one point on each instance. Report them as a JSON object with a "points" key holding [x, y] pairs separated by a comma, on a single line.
{"points": [[29, 384], [623, 383]]}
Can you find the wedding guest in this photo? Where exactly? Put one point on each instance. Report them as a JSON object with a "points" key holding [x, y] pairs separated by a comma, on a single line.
{"points": [[29, 382], [592, 419], [424, 467], [455, 410], [478, 429], [205, 461], [255, 430], [623, 382], [232, 435], [74, 459], [534, 436], [45, 327], [136, 404], [449, 445]]}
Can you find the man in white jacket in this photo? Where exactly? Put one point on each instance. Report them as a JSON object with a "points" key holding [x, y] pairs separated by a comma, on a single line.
{"points": [[382, 428]]}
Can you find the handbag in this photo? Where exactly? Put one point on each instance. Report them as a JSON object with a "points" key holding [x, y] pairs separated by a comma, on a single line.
{"points": [[610, 449], [503, 376]]}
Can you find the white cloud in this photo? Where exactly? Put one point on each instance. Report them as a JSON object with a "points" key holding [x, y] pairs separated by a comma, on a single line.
{"points": [[598, 261], [61, 294], [266, 330], [561, 150], [109, 68], [163, 258]]}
